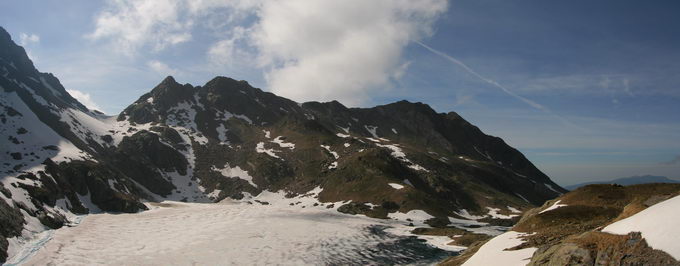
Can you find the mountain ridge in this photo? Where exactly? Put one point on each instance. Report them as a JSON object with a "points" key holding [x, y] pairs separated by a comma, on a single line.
{"points": [[227, 139], [632, 180]]}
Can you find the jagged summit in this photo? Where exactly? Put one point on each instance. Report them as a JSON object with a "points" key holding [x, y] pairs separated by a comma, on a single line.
{"points": [[227, 82], [15, 63], [403, 122], [14, 54], [169, 80]]}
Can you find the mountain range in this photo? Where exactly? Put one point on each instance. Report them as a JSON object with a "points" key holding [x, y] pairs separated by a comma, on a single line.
{"points": [[227, 139], [626, 181]]}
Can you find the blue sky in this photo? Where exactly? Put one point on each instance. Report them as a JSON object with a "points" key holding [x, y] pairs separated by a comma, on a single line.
{"points": [[587, 90]]}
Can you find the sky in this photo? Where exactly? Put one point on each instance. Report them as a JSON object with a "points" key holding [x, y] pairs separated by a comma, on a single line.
{"points": [[587, 90]]}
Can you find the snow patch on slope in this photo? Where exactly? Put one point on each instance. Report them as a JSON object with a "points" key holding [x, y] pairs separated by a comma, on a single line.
{"points": [[398, 153], [37, 143], [494, 253], [553, 207], [335, 155], [553, 189], [494, 212], [328, 148], [183, 117], [513, 210], [372, 130], [222, 134], [396, 186], [235, 172], [261, 149], [658, 225], [279, 140]]}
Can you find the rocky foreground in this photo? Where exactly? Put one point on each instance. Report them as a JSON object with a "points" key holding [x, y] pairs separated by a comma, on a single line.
{"points": [[593, 225]]}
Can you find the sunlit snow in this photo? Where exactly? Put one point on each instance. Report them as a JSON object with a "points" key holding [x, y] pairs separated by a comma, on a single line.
{"points": [[267, 229], [658, 225], [395, 185], [552, 207], [494, 253]]}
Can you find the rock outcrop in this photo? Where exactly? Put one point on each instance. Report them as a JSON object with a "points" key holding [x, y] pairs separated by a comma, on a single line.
{"points": [[567, 230]]}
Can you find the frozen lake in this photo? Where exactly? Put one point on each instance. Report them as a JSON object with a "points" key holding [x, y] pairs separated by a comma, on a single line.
{"points": [[239, 233]]}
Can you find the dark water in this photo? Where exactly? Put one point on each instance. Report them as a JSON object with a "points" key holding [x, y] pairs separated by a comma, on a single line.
{"points": [[382, 248]]}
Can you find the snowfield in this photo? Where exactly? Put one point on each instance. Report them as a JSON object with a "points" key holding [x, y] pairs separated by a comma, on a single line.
{"points": [[658, 225], [267, 229], [494, 253]]}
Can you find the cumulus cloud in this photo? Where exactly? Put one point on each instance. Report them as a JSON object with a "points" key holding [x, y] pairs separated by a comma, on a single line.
{"points": [[85, 99], [161, 68], [134, 24], [227, 51], [325, 50], [131, 25], [307, 50], [27, 39]]}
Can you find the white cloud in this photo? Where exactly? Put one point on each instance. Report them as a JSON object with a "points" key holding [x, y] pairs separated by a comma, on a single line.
{"points": [[27, 39], [158, 24], [131, 25], [227, 52], [85, 99], [161, 68], [309, 50], [343, 50]]}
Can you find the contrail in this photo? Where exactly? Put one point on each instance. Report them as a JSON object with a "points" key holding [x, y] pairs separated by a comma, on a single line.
{"points": [[495, 84], [492, 82]]}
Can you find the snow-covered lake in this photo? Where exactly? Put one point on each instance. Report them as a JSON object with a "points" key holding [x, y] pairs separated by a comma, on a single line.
{"points": [[239, 233]]}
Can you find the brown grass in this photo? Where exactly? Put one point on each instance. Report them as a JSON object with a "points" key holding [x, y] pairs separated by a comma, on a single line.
{"points": [[589, 208]]}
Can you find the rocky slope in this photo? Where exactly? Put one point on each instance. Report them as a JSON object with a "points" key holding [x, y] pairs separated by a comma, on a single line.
{"points": [[226, 139], [577, 229]]}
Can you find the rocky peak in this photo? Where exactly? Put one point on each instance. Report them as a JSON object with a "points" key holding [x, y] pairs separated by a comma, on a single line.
{"points": [[14, 54], [167, 86], [405, 105], [227, 83], [170, 92], [223, 95], [154, 104], [169, 80], [27, 80]]}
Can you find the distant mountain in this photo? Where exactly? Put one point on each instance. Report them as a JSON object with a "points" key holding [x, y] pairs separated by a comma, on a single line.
{"points": [[633, 180], [226, 139]]}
